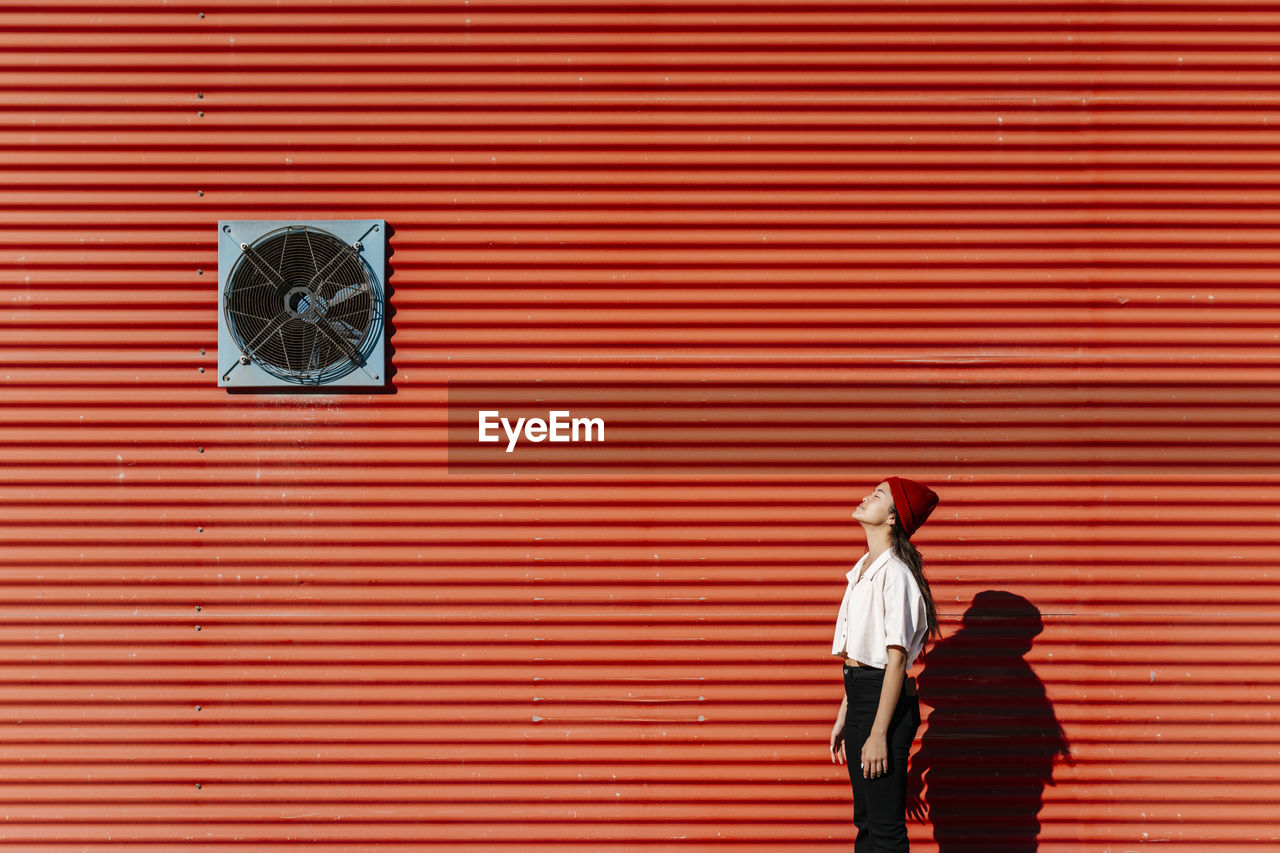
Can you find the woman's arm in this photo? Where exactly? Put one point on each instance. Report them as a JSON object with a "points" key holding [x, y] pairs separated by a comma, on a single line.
{"points": [[875, 752], [837, 732]]}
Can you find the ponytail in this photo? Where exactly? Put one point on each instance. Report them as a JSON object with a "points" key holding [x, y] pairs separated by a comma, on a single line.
{"points": [[909, 555]]}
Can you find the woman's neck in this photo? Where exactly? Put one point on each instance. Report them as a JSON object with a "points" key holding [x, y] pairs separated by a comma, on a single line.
{"points": [[877, 543]]}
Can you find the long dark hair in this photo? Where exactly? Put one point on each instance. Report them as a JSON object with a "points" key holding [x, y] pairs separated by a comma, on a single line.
{"points": [[907, 551]]}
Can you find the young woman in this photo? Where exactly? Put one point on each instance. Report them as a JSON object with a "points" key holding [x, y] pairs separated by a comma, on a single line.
{"points": [[885, 618]]}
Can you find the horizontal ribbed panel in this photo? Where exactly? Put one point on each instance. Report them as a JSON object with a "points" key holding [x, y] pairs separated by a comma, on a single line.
{"points": [[1023, 253]]}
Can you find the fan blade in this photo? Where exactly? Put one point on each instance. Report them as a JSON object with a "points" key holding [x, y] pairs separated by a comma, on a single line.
{"points": [[352, 335], [348, 292], [335, 335]]}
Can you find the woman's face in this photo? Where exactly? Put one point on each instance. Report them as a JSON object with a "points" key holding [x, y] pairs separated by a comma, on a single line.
{"points": [[876, 508]]}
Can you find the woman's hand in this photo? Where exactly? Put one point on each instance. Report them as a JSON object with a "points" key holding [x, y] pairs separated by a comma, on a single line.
{"points": [[837, 741], [875, 756]]}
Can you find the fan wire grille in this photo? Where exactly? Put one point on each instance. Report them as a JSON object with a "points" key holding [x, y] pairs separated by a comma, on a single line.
{"points": [[301, 303]]}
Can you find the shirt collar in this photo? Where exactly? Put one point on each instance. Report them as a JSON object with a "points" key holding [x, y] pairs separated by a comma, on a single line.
{"points": [[873, 569]]}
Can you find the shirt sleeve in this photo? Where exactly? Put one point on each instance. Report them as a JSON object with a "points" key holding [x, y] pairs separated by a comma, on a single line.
{"points": [[900, 608], [840, 641]]}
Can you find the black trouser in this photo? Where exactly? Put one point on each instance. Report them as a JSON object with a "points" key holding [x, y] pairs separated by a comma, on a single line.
{"points": [[880, 803]]}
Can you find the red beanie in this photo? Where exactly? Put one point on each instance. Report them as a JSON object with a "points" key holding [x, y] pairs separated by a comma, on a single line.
{"points": [[912, 501]]}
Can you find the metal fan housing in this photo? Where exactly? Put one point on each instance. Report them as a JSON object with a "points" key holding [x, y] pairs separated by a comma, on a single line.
{"points": [[301, 304]]}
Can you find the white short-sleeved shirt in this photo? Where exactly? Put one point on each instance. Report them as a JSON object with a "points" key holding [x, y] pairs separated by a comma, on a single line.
{"points": [[882, 608]]}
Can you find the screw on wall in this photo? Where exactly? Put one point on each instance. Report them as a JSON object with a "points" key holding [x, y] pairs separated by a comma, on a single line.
{"points": [[199, 608]]}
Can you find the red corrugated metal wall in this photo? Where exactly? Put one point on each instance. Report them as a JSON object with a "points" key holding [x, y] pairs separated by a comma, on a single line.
{"points": [[1022, 252]]}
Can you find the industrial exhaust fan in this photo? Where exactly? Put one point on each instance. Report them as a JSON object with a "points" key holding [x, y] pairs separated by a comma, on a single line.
{"points": [[302, 304]]}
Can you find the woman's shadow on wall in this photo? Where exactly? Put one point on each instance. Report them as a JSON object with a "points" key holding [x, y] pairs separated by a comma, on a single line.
{"points": [[992, 738]]}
